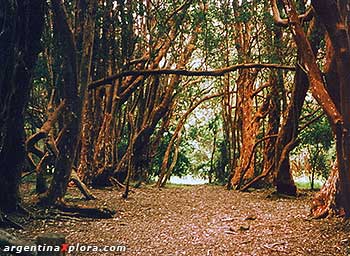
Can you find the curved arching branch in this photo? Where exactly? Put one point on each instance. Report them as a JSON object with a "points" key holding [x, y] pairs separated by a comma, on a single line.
{"points": [[183, 72]]}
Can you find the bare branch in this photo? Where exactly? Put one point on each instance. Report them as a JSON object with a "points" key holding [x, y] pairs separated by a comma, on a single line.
{"points": [[52, 118], [277, 16], [307, 16], [184, 72]]}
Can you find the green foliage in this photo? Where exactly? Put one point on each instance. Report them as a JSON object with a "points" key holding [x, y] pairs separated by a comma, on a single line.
{"points": [[318, 133], [136, 30], [316, 149], [307, 185], [182, 166], [221, 173], [320, 161]]}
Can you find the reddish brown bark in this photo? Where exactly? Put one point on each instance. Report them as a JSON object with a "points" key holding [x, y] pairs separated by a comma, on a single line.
{"points": [[310, 66], [286, 141], [249, 122], [327, 201], [75, 85], [86, 153], [338, 80], [338, 112]]}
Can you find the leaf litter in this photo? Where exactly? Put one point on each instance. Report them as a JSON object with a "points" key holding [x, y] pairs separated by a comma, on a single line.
{"points": [[200, 220]]}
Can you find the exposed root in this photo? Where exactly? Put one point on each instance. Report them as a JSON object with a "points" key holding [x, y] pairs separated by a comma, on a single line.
{"points": [[326, 202]]}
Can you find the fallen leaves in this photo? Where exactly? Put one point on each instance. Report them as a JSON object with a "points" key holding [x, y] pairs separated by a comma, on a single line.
{"points": [[203, 220]]}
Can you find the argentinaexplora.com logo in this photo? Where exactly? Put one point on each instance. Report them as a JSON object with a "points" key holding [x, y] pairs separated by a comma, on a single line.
{"points": [[64, 248]]}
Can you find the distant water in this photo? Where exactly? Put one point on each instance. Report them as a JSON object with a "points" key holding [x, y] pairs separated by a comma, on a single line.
{"points": [[187, 180]]}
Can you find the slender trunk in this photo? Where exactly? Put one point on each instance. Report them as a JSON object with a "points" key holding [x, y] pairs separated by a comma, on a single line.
{"points": [[211, 170], [176, 135], [174, 160], [85, 169], [312, 186], [286, 139]]}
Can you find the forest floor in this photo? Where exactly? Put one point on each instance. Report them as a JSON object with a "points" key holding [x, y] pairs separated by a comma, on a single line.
{"points": [[199, 220]]}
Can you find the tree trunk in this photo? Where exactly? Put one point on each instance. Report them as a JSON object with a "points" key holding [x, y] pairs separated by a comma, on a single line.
{"points": [[85, 168], [22, 26], [338, 112], [327, 201], [211, 169], [335, 21], [276, 82], [276, 108], [286, 139], [245, 171], [173, 161], [75, 90], [287, 136]]}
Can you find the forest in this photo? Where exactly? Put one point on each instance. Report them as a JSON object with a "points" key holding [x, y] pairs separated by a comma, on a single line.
{"points": [[105, 103]]}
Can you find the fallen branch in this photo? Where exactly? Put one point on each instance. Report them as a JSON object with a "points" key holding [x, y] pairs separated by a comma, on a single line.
{"points": [[81, 186], [86, 212], [285, 151], [256, 179], [116, 183]]}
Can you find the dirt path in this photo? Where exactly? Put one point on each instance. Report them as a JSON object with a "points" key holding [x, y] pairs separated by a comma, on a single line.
{"points": [[204, 220]]}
